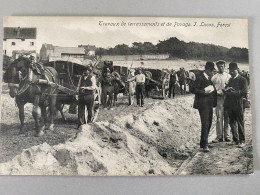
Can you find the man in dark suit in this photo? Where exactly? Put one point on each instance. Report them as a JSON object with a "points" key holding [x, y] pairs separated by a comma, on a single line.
{"points": [[236, 90], [205, 100]]}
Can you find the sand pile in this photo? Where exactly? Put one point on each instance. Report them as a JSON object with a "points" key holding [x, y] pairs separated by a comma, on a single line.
{"points": [[153, 142]]}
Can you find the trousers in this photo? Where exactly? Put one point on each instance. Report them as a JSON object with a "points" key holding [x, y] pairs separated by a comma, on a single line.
{"points": [[86, 100], [222, 119], [236, 121], [139, 89], [171, 90], [206, 114]]}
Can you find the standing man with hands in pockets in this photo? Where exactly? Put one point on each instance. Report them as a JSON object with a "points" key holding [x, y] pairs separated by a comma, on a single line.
{"points": [[205, 100]]}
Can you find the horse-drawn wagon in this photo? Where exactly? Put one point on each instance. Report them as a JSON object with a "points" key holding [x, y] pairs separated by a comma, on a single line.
{"points": [[69, 73], [157, 83]]}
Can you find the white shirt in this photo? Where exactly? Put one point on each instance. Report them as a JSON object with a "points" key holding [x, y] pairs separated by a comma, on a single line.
{"points": [[220, 81], [140, 78], [93, 80]]}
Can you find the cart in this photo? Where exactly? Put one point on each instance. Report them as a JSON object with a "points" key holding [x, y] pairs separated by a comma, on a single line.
{"points": [[69, 73], [157, 83]]}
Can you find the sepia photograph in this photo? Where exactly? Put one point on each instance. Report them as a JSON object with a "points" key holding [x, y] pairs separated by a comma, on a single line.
{"points": [[125, 96]]}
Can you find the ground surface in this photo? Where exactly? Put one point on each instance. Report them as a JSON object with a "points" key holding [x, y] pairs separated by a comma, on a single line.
{"points": [[158, 139]]}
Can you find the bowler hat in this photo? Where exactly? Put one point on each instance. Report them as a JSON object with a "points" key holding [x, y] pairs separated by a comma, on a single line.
{"points": [[210, 65], [233, 66], [220, 62]]}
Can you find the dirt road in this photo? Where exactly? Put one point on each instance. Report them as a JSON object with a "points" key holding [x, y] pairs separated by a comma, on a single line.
{"points": [[158, 139]]}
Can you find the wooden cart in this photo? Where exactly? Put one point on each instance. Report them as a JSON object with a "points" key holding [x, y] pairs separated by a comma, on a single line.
{"points": [[69, 72]]}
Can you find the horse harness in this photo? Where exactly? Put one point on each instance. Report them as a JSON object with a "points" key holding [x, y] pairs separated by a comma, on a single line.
{"points": [[27, 80]]}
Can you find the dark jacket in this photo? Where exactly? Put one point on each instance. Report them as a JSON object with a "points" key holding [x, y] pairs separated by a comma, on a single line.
{"points": [[203, 99], [235, 99]]}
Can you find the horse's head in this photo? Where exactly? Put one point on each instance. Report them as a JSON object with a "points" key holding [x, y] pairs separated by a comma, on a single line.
{"points": [[19, 68]]}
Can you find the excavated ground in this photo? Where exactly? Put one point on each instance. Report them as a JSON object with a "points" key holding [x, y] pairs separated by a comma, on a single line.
{"points": [[158, 139]]}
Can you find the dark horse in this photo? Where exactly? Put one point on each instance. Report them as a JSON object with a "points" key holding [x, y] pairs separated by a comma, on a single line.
{"points": [[183, 76], [110, 83], [23, 77]]}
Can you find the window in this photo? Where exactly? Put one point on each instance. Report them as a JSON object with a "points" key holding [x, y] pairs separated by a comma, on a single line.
{"points": [[31, 43], [13, 43], [5, 51]]}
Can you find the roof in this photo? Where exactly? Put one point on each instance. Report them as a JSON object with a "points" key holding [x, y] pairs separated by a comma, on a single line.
{"points": [[69, 50], [89, 47], [19, 33]]}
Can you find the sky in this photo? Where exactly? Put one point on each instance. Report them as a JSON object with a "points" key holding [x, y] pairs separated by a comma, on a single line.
{"points": [[110, 31]]}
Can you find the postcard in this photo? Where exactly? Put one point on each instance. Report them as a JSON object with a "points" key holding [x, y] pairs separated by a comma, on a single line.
{"points": [[125, 96]]}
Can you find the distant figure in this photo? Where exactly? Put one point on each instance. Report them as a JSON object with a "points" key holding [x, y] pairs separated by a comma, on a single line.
{"points": [[173, 81], [235, 91], [205, 100], [191, 78], [182, 74], [220, 81], [140, 81]]}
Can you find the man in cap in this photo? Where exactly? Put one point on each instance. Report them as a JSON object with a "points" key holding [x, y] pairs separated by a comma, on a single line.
{"points": [[86, 88], [139, 89], [220, 81], [235, 91], [173, 81], [205, 100]]}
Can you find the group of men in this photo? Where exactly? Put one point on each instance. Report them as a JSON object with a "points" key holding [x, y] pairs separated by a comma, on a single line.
{"points": [[225, 92], [222, 90]]}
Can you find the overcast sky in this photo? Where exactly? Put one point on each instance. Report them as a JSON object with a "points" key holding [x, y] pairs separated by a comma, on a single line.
{"points": [[73, 31]]}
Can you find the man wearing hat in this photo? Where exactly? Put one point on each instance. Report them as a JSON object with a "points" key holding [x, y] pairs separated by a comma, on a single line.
{"points": [[139, 89], [220, 81], [173, 81], [86, 88], [205, 100], [235, 91]]}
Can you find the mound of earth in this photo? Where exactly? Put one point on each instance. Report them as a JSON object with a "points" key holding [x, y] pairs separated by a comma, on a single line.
{"points": [[154, 141]]}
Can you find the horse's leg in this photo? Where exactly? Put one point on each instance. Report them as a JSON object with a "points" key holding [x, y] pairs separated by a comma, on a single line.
{"points": [[60, 109], [21, 116], [184, 87], [43, 116], [52, 111], [36, 115], [110, 99], [115, 96], [104, 97]]}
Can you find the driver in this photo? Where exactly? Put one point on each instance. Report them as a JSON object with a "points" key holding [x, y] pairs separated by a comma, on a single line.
{"points": [[86, 88]]}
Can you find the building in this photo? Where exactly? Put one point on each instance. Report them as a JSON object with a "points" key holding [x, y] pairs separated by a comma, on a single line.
{"points": [[45, 52], [49, 52], [19, 41], [89, 49]]}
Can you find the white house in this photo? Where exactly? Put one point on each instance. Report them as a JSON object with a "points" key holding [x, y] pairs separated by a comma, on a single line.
{"points": [[18, 41]]}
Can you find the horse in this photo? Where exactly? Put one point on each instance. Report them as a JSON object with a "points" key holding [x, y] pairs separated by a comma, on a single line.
{"points": [[148, 84], [182, 75], [165, 79], [110, 83], [23, 78]]}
